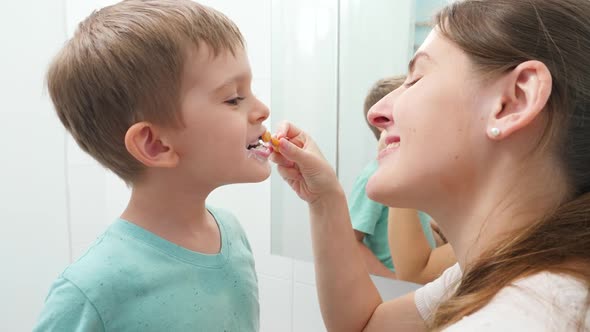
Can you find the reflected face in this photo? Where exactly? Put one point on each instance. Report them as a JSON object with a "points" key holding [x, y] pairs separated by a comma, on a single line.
{"points": [[433, 125], [222, 121]]}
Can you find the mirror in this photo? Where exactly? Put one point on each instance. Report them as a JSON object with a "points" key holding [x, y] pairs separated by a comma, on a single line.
{"points": [[325, 56]]}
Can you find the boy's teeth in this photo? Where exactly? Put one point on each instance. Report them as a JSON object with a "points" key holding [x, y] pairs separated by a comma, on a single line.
{"points": [[393, 145], [255, 145]]}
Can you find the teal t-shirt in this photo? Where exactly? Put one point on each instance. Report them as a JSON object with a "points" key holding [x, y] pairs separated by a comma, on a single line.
{"points": [[370, 217], [133, 280]]}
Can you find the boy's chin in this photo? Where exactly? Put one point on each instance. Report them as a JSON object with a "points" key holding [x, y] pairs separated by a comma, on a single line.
{"points": [[263, 175], [259, 175]]}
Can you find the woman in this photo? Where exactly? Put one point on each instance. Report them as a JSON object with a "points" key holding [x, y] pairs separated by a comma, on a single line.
{"points": [[508, 177]]}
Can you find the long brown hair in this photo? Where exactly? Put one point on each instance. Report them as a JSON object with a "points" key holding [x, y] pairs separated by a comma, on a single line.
{"points": [[498, 35]]}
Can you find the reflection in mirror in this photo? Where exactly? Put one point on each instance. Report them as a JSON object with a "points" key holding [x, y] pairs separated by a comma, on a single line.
{"points": [[376, 40], [304, 89], [325, 56]]}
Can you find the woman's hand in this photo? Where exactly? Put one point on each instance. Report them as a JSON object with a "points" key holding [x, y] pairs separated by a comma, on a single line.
{"points": [[303, 166]]}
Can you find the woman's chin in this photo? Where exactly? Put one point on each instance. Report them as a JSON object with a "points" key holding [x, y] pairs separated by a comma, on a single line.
{"points": [[384, 192], [376, 190]]}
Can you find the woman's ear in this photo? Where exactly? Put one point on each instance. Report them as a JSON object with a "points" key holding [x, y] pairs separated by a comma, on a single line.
{"points": [[527, 89], [143, 141]]}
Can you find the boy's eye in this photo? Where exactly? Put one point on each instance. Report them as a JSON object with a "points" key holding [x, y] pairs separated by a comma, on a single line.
{"points": [[234, 101]]}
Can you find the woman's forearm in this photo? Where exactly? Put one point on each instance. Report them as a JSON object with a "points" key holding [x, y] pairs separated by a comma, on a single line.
{"points": [[347, 295]]}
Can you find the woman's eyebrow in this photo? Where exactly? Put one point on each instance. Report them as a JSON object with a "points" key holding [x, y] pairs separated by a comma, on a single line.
{"points": [[416, 57]]}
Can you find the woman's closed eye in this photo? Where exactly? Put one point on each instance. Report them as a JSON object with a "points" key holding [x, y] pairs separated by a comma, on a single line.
{"points": [[234, 101], [409, 84]]}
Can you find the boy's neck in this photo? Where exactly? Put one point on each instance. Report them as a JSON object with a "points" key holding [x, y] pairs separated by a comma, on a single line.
{"points": [[175, 215]]}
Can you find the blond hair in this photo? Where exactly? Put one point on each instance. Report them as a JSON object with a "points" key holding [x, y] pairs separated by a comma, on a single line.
{"points": [[124, 65]]}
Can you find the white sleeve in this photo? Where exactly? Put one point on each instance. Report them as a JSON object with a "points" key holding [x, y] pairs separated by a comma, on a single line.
{"points": [[430, 295], [542, 302], [502, 317]]}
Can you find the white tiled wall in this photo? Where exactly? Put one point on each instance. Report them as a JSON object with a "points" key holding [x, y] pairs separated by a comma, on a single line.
{"points": [[304, 65], [306, 309], [368, 52], [34, 243]]}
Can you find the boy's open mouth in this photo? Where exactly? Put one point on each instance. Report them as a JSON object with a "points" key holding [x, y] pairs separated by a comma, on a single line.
{"points": [[259, 150], [256, 145]]}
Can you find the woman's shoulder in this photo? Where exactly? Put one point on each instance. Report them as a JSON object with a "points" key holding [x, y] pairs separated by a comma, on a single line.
{"points": [[541, 302]]}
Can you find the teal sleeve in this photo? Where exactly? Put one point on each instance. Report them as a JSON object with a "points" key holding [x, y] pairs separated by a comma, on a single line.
{"points": [[364, 213], [67, 309]]}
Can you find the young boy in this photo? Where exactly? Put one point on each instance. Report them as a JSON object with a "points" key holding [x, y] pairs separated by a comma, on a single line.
{"points": [[158, 91], [369, 218]]}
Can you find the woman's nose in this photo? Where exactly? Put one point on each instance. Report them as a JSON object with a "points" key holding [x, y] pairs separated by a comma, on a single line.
{"points": [[381, 114]]}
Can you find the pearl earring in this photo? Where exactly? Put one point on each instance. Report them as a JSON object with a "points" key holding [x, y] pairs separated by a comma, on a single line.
{"points": [[495, 132]]}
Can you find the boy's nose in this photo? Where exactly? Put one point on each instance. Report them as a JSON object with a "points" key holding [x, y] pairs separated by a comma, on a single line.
{"points": [[260, 112], [381, 114]]}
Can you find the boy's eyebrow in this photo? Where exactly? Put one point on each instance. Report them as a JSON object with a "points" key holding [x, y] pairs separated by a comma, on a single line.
{"points": [[232, 80], [416, 57]]}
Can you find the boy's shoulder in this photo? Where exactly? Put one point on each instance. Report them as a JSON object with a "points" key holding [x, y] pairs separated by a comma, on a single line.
{"points": [[121, 242], [106, 263], [223, 215], [102, 276], [229, 222], [130, 275], [119, 258], [226, 219]]}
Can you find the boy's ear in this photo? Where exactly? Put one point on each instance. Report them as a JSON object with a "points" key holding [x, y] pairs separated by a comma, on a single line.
{"points": [[525, 93], [143, 141]]}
